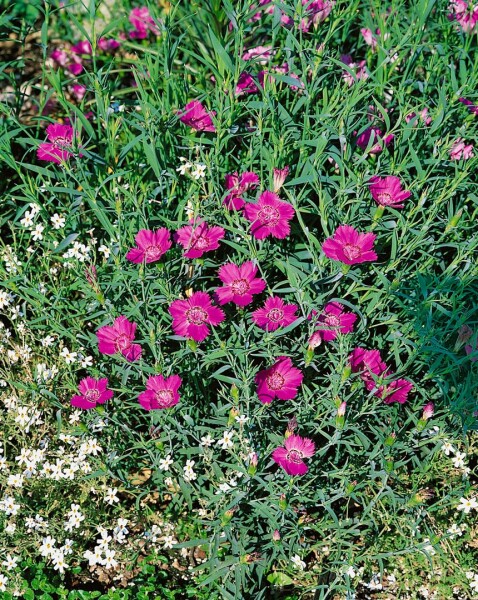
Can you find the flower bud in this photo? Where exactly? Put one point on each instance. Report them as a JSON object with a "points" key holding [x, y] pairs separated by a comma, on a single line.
{"points": [[390, 440], [280, 176], [315, 340], [234, 392], [428, 411], [233, 413], [291, 426], [341, 410], [226, 517], [276, 536]]}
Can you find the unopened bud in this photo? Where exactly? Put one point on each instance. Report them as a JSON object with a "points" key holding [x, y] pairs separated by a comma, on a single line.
{"points": [[282, 502], [233, 413], [342, 408], [234, 392], [226, 517], [291, 427], [428, 411], [390, 439], [280, 176], [276, 536], [315, 340]]}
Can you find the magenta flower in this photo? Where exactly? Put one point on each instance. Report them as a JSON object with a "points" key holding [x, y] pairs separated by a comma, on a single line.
{"points": [[118, 339], [160, 392], [58, 149], [269, 216], [469, 104], [78, 91], [423, 116], [465, 13], [358, 68], [396, 391], [387, 191], [198, 240], [262, 53], [150, 245], [469, 349], [373, 133], [460, 150], [334, 321], [192, 317], [196, 116], [367, 361], [237, 186], [83, 47], [290, 456], [281, 381], [274, 314], [349, 246], [369, 37], [60, 57], [142, 22], [428, 411], [246, 85], [370, 364], [108, 45], [240, 283], [91, 392]]}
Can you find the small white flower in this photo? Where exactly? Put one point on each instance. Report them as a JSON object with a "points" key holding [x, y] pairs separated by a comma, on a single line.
{"points": [[105, 251], [459, 460], [298, 562], [58, 221], [3, 583], [169, 541], [447, 448], [226, 441], [242, 419], [69, 357], [10, 562], [86, 361], [27, 220], [351, 572], [111, 497], [207, 441], [165, 463], [455, 530], [37, 233], [199, 171], [48, 546], [47, 341], [467, 504], [109, 562]]}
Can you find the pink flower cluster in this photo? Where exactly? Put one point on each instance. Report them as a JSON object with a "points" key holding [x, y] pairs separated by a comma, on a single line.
{"points": [[373, 372], [465, 13]]}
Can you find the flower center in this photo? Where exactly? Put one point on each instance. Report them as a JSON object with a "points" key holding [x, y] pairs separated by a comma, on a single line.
{"points": [[276, 315], [122, 342], [92, 395], [268, 215], [240, 287], [332, 320], [384, 198], [196, 315], [275, 381], [351, 251], [164, 397], [294, 456], [201, 242], [62, 142], [152, 252]]}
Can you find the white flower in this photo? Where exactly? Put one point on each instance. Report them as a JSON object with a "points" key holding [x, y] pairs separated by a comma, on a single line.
{"points": [[69, 357], [3, 583], [169, 541], [428, 547], [15, 481], [58, 221], [351, 572], [48, 546], [226, 441], [86, 361], [27, 220], [242, 419], [59, 563], [105, 251], [10, 562], [5, 298], [165, 463], [110, 496], [459, 460], [298, 562], [109, 562], [37, 233], [455, 530], [47, 341], [199, 171], [189, 474], [8, 506], [207, 441], [447, 448], [467, 504]]}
